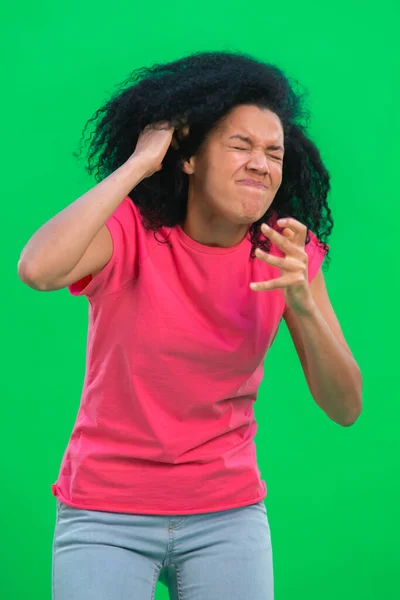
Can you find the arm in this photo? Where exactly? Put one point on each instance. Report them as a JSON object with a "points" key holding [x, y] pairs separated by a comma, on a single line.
{"points": [[76, 242], [332, 374]]}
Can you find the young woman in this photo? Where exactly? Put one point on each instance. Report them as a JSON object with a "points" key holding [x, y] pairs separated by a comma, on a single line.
{"points": [[186, 287]]}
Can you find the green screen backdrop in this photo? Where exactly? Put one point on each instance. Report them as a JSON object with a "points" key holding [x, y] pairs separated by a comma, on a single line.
{"points": [[333, 500]]}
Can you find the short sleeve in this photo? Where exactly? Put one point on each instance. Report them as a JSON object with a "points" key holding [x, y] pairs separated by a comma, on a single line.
{"points": [[121, 267], [316, 254]]}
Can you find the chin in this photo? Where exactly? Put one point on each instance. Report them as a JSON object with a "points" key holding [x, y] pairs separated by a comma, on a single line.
{"points": [[255, 216], [247, 217]]}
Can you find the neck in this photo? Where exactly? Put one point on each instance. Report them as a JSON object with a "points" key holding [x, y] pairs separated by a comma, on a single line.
{"points": [[211, 230]]}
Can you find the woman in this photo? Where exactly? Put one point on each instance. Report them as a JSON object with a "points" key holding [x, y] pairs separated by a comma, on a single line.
{"points": [[186, 291]]}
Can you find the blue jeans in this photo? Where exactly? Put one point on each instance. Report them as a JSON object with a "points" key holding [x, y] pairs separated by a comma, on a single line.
{"points": [[118, 556]]}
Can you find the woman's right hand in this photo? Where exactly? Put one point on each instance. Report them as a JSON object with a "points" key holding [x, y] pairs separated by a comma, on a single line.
{"points": [[152, 146]]}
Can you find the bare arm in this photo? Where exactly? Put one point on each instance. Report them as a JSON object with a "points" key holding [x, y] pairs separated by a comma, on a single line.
{"points": [[76, 241], [333, 376]]}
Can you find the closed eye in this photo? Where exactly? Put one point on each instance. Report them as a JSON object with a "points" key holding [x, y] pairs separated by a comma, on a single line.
{"points": [[280, 158], [241, 148]]}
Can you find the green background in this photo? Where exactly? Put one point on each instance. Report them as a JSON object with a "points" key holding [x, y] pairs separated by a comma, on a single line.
{"points": [[334, 499]]}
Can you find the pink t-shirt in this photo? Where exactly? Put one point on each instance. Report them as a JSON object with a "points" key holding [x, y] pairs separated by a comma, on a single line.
{"points": [[175, 352]]}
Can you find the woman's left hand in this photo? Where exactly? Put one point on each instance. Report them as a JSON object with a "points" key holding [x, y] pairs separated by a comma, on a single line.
{"points": [[293, 267]]}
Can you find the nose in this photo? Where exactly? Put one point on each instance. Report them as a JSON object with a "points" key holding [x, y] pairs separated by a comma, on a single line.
{"points": [[258, 162]]}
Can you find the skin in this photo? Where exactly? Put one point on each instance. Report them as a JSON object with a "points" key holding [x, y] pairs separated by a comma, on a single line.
{"points": [[220, 211]]}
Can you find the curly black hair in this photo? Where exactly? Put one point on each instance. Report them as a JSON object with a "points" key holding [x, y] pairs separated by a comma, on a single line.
{"points": [[199, 90]]}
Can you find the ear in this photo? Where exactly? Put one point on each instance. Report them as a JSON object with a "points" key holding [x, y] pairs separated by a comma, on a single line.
{"points": [[188, 166]]}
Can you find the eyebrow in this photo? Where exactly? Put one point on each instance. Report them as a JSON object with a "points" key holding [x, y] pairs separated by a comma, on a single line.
{"points": [[249, 141]]}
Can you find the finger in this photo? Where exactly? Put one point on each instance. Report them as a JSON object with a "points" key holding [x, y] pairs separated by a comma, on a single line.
{"points": [[293, 224], [287, 262], [160, 125], [285, 244], [295, 238], [289, 233], [272, 284], [183, 132], [299, 229]]}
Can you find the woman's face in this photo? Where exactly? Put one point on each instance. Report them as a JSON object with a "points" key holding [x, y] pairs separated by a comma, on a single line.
{"points": [[245, 150]]}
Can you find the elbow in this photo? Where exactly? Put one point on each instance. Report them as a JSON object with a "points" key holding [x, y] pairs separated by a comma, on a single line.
{"points": [[353, 413], [27, 275], [354, 405], [350, 421]]}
